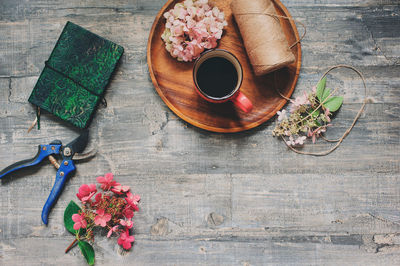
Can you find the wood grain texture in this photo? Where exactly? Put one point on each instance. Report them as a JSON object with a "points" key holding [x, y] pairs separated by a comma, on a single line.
{"points": [[174, 83], [277, 207]]}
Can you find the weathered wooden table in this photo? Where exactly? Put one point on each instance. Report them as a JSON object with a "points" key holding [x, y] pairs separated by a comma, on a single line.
{"points": [[239, 199]]}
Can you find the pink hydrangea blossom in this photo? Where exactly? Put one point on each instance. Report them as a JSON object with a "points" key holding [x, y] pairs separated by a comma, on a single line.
{"points": [[113, 208], [98, 197], [282, 115], [127, 223], [299, 101], [102, 218], [86, 192], [300, 140], [119, 189], [106, 181], [125, 240], [128, 213], [79, 220], [290, 141], [132, 199], [113, 229], [191, 27]]}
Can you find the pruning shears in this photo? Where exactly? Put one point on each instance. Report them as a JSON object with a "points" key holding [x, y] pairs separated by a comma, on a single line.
{"points": [[68, 153]]}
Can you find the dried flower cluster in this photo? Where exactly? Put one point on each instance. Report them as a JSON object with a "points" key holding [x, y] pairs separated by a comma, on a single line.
{"points": [[191, 27], [112, 209], [309, 115]]}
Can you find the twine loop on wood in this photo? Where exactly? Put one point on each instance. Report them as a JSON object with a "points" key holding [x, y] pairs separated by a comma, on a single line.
{"points": [[348, 130]]}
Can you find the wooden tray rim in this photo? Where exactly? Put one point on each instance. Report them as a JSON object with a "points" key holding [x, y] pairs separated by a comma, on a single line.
{"points": [[211, 128]]}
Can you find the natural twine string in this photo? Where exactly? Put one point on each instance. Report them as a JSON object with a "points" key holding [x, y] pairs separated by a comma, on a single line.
{"points": [[278, 16], [340, 140], [366, 100]]}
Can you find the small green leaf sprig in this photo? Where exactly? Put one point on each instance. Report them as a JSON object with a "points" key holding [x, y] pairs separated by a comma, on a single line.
{"points": [[309, 115]]}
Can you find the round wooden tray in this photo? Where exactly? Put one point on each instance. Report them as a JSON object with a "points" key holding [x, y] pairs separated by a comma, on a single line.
{"points": [[174, 83]]}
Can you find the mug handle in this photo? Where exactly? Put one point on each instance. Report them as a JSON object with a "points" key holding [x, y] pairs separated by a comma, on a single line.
{"points": [[243, 102]]}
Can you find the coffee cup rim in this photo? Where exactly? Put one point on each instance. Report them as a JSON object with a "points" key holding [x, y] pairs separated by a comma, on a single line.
{"points": [[230, 95]]}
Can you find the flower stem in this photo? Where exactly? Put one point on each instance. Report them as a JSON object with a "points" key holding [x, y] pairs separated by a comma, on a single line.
{"points": [[70, 246]]}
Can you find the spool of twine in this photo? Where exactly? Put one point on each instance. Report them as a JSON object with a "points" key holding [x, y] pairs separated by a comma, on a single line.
{"points": [[265, 42]]}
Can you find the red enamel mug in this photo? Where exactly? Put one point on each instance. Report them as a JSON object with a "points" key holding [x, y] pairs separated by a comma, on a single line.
{"points": [[217, 76]]}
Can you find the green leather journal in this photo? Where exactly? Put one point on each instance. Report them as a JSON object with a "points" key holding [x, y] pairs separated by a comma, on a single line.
{"points": [[76, 74]]}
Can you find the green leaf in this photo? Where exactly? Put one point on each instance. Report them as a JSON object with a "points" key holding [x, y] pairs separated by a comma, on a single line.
{"points": [[325, 95], [315, 114], [87, 251], [334, 103], [320, 88], [71, 209]]}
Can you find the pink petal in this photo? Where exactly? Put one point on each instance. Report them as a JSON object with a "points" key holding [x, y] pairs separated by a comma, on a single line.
{"points": [[136, 198], [76, 217], [135, 207], [101, 179], [99, 221], [92, 187], [109, 233], [127, 245], [77, 226], [98, 197], [84, 199], [83, 223], [109, 177], [107, 217], [84, 189], [128, 213]]}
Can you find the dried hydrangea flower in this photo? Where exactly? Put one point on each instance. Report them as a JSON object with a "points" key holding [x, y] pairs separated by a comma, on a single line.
{"points": [[307, 117], [191, 27]]}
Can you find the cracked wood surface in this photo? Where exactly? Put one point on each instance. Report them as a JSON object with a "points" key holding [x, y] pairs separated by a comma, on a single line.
{"points": [[238, 199]]}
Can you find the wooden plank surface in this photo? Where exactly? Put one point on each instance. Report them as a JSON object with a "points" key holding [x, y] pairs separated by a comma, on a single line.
{"points": [[211, 199]]}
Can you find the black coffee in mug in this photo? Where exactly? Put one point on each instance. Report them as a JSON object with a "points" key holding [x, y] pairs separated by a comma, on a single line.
{"points": [[217, 77]]}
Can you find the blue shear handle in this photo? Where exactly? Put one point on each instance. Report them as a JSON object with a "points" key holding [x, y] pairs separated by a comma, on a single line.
{"points": [[67, 166], [43, 152]]}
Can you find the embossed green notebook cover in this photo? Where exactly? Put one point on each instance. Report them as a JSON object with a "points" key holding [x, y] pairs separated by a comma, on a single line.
{"points": [[76, 74]]}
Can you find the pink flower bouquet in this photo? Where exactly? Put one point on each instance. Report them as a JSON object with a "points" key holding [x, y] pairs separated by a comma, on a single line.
{"points": [[191, 27], [112, 210]]}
